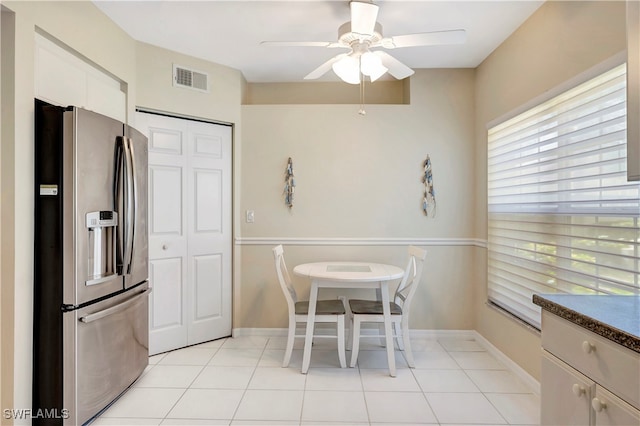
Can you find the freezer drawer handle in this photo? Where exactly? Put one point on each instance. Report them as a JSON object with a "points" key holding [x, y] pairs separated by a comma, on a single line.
{"points": [[114, 309]]}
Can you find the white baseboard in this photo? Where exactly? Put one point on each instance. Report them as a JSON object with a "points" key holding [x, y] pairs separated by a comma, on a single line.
{"points": [[262, 332], [417, 334], [528, 380]]}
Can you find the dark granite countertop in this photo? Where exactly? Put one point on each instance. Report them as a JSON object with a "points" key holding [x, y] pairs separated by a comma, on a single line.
{"points": [[615, 317]]}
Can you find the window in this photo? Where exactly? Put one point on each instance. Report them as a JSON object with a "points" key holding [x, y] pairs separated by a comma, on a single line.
{"points": [[562, 216]]}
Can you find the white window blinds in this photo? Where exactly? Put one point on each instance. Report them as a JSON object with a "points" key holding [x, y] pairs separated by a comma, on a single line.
{"points": [[562, 216]]}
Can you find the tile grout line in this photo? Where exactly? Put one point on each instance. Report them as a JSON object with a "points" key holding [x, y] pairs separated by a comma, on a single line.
{"points": [[244, 392], [189, 387], [424, 394], [364, 396], [481, 392]]}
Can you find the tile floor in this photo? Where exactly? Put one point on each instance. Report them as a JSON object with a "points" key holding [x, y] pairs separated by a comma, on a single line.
{"points": [[240, 381]]}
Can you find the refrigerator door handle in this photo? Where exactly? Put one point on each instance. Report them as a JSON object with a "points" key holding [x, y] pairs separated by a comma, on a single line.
{"points": [[126, 203], [118, 197], [127, 207], [132, 203], [114, 309]]}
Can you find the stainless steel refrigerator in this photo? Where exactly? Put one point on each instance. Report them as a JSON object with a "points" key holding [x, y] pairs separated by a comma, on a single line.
{"points": [[91, 263]]}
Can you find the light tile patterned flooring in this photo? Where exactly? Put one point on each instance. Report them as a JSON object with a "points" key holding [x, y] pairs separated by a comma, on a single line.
{"points": [[240, 381]]}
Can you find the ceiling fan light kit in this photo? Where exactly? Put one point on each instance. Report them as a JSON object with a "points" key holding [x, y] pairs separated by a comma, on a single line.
{"points": [[348, 69], [371, 65], [361, 61], [363, 33]]}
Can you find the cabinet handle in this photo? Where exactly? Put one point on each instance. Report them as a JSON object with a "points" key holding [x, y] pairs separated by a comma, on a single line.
{"points": [[578, 390], [164, 247], [588, 347], [598, 405]]}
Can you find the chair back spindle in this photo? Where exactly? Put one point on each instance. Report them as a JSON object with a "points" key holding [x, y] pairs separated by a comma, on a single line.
{"points": [[284, 278], [411, 280]]}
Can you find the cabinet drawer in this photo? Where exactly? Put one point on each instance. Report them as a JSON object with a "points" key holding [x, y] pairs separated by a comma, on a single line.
{"points": [[607, 363]]}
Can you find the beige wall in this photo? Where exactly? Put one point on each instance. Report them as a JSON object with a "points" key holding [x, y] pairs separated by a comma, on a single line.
{"points": [[442, 301], [359, 177], [155, 90], [6, 202], [558, 42], [323, 92]]}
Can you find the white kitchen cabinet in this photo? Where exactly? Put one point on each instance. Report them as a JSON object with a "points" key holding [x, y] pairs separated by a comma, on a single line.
{"points": [[63, 78], [586, 379]]}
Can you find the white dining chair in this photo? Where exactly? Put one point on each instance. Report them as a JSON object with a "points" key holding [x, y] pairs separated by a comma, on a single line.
{"points": [[327, 311], [371, 310]]}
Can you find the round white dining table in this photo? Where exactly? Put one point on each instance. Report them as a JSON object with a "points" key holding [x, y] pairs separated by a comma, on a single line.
{"points": [[349, 275]]}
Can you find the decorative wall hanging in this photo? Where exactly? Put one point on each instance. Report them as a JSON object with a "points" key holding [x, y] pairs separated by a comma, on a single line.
{"points": [[289, 184], [429, 199]]}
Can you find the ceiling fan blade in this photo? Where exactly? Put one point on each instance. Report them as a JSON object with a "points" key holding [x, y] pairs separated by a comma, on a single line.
{"points": [[425, 39], [297, 43], [363, 17], [324, 68], [395, 67]]}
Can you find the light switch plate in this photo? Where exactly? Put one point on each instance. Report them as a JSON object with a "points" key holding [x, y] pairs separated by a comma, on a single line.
{"points": [[250, 217]]}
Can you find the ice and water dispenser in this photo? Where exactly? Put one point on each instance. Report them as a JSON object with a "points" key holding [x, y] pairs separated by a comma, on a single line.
{"points": [[102, 246]]}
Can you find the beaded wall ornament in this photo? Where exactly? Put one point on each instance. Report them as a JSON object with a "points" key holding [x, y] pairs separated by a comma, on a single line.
{"points": [[429, 199], [289, 184]]}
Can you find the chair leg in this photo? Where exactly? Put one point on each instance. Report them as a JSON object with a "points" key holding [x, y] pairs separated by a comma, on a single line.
{"points": [[381, 331], [382, 334], [399, 337], [289, 349], [340, 335], [355, 345], [407, 344], [348, 322]]}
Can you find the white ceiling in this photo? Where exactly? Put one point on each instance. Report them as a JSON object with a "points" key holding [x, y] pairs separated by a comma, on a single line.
{"points": [[230, 32]]}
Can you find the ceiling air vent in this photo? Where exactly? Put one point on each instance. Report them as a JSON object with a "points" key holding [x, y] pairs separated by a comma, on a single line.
{"points": [[190, 79]]}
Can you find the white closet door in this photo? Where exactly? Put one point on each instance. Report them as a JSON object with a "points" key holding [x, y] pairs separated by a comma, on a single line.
{"points": [[189, 231]]}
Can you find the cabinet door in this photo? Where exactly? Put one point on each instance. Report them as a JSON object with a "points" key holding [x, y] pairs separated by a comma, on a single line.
{"points": [[611, 410], [565, 394]]}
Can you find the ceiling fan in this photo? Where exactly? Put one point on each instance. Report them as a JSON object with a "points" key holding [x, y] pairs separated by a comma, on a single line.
{"points": [[362, 34]]}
